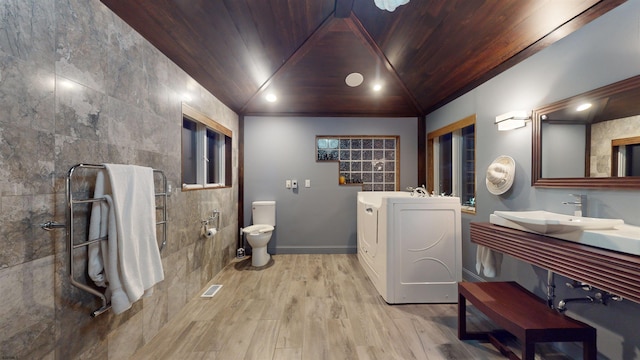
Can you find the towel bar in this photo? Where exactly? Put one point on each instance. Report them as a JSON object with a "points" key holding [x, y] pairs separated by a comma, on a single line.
{"points": [[50, 225], [161, 197]]}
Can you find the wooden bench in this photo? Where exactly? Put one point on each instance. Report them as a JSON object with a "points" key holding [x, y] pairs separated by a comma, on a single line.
{"points": [[523, 315]]}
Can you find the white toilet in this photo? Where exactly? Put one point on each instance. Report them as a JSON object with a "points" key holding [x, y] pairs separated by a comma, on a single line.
{"points": [[259, 234]]}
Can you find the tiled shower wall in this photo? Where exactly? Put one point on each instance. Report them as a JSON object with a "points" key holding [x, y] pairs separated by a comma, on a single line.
{"points": [[78, 85]]}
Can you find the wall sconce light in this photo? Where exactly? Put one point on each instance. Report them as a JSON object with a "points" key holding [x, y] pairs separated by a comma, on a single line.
{"points": [[512, 120]]}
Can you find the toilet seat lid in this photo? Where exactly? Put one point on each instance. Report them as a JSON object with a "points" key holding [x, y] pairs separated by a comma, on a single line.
{"points": [[257, 228]]}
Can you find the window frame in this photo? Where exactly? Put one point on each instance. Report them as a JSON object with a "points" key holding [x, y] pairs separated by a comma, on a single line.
{"points": [[204, 124], [618, 155], [457, 172]]}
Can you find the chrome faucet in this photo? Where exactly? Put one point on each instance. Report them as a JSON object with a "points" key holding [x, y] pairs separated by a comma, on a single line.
{"points": [[562, 305], [580, 204], [600, 297]]}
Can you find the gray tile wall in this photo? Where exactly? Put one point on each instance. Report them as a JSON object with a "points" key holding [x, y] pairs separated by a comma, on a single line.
{"points": [[77, 85]]}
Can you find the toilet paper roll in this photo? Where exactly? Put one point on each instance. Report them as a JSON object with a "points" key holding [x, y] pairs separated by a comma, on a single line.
{"points": [[211, 232]]}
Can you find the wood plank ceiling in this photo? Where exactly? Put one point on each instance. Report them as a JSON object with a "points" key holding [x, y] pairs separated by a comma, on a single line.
{"points": [[424, 54]]}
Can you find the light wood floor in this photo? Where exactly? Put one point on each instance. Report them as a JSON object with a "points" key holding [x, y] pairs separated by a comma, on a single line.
{"points": [[307, 307]]}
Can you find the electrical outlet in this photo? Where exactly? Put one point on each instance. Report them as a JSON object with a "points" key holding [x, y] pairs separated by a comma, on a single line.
{"points": [[287, 184], [294, 184]]}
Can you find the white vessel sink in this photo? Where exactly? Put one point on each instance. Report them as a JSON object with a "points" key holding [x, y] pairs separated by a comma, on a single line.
{"points": [[610, 234], [545, 222]]}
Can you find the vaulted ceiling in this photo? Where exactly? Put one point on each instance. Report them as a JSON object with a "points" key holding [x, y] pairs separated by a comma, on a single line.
{"points": [[424, 54]]}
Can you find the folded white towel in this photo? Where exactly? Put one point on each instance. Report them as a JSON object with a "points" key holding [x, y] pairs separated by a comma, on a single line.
{"points": [[487, 261], [134, 214]]}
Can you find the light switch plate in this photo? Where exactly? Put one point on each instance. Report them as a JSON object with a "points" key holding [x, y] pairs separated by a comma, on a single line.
{"points": [[307, 183]]}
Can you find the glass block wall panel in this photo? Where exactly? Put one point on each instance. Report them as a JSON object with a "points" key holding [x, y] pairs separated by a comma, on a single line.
{"points": [[367, 161]]}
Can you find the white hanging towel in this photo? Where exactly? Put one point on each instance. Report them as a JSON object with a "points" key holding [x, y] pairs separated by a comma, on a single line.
{"points": [[487, 261], [103, 255], [98, 228], [133, 211]]}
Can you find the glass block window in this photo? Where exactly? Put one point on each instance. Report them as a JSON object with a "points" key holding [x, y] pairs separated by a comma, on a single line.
{"points": [[367, 161]]}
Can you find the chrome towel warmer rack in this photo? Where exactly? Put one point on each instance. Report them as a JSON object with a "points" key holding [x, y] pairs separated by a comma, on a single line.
{"points": [[72, 246]]}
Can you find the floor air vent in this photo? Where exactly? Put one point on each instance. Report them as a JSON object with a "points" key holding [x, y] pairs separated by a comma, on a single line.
{"points": [[212, 290]]}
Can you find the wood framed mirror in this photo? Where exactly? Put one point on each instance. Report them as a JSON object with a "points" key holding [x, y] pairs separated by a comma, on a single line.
{"points": [[594, 147]]}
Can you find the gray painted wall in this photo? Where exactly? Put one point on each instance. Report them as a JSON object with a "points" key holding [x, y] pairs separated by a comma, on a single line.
{"points": [[604, 51], [322, 218], [563, 151]]}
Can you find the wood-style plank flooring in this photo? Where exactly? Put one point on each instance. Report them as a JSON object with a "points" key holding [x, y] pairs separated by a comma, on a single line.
{"points": [[307, 307]]}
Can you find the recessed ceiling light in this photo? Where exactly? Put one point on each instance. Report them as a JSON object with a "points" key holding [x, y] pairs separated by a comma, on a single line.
{"points": [[271, 97], [377, 87], [354, 79], [583, 107]]}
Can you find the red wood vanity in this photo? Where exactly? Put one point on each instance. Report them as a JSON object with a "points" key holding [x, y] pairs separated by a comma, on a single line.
{"points": [[525, 315], [611, 271], [522, 314]]}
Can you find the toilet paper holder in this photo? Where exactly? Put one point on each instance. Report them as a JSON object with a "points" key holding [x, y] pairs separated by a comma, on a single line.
{"points": [[212, 221]]}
